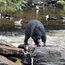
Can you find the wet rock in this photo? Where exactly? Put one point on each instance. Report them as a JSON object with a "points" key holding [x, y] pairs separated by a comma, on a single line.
{"points": [[49, 56], [5, 61]]}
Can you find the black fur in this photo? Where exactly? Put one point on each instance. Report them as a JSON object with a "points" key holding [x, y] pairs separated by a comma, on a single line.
{"points": [[35, 30]]}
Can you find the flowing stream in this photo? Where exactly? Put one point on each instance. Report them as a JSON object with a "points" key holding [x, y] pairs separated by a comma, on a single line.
{"points": [[54, 37]]}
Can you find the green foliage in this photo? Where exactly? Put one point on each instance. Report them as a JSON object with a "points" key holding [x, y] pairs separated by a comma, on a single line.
{"points": [[61, 2], [11, 9], [1, 1], [64, 7], [19, 62], [30, 0], [2, 9], [11, 5]]}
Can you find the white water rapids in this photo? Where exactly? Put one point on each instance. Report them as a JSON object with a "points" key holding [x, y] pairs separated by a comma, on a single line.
{"points": [[54, 37]]}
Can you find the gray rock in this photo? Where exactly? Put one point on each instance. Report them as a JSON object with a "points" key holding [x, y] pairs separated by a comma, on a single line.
{"points": [[49, 56]]}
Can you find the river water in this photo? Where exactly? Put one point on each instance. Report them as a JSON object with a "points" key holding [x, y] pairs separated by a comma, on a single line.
{"points": [[54, 37]]}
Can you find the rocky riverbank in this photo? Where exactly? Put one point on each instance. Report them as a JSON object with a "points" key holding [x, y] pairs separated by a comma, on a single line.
{"points": [[49, 55]]}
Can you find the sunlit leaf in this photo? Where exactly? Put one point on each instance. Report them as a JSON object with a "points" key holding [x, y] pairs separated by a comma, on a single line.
{"points": [[19, 62]]}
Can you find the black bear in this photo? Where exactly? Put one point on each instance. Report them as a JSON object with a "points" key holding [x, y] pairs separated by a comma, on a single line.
{"points": [[36, 31]]}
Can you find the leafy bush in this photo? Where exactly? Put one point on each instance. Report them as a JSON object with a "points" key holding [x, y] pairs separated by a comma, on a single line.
{"points": [[11, 5], [61, 2]]}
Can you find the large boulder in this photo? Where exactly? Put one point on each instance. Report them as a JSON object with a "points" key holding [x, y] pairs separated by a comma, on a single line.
{"points": [[49, 55]]}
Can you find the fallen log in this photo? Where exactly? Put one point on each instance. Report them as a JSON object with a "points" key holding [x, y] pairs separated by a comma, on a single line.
{"points": [[5, 61], [10, 50], [13, 54]]}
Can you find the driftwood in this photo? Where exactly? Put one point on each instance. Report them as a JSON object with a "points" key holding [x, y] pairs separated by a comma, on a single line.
{"points": [[5, 61], [13, 54], [10, 50]]}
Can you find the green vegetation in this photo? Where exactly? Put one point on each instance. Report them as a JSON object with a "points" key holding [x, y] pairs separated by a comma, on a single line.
{"points": [[61, 2], [11, 5], [19, 62]]}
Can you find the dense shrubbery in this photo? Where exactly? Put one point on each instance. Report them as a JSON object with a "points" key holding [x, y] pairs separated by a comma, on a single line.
{"points": [[11, 5]]}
